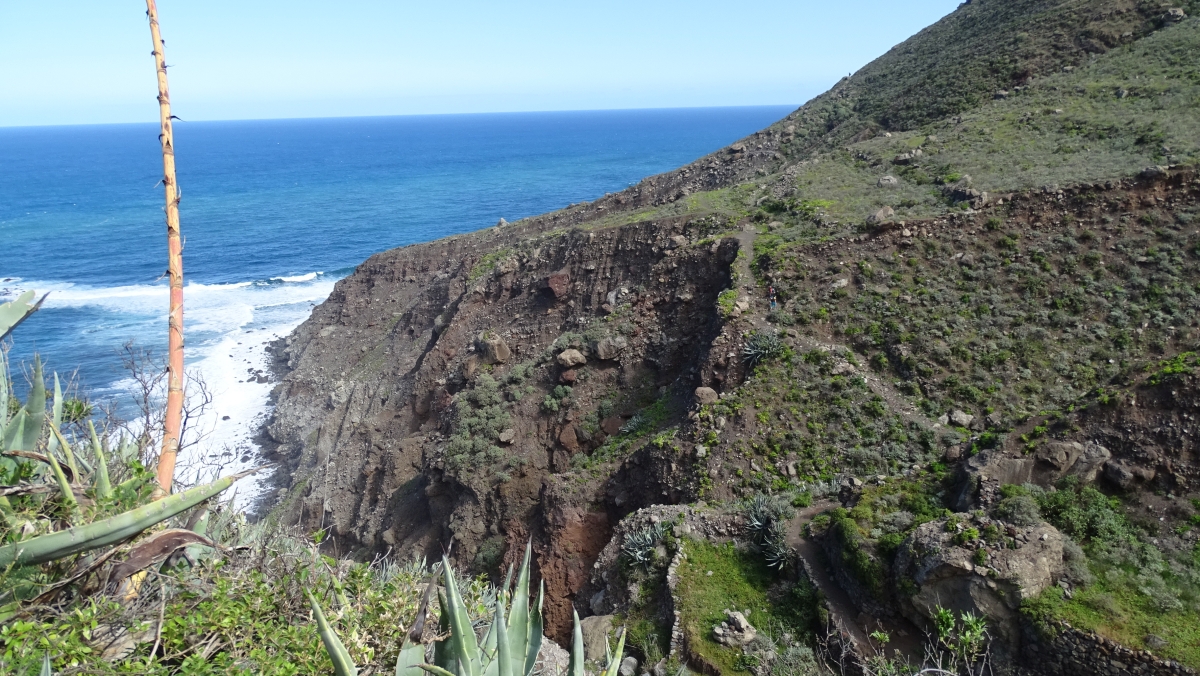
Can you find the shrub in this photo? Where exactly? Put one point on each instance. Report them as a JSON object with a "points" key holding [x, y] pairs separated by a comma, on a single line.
{"points": [[1019, 510], [1084, 513]]}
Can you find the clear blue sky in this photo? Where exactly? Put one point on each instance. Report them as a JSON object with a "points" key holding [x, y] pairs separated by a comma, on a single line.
{"points": [[83, 61]]}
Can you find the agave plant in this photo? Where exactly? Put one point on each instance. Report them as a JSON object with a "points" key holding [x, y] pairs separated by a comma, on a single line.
{"points": [[510, 647], [63, 501], [762, 347], [638, 546]]}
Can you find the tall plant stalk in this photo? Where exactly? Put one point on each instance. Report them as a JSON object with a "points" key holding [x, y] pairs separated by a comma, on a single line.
{"points": [[174, 413]]}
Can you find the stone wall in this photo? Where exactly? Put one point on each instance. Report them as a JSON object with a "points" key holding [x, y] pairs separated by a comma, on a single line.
{"points": [[1074, 651]]}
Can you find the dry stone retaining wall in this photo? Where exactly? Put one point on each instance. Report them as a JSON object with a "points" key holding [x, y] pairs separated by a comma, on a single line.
{"points": [[1074, 651]]}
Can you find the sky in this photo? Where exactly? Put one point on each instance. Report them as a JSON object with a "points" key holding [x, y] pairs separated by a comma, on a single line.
{"points": [[89, 62]]}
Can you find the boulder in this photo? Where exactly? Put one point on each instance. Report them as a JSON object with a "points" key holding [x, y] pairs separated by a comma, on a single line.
{"points": [[735, 631], [552, 659], [961, 418], [492, 348], [1087, 467], [946, 575], [610, 347], [1120, 474], [595, 636], [612, 425], [1175, 14], [888, 181], [508, 435], [705, 395], [569, 439], [629, 666], [571, 358], [1059, 456], [568, 377], [881, 216]]}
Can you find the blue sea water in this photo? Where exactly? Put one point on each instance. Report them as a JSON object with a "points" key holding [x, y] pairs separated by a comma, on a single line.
{"points": [[274, 212]]}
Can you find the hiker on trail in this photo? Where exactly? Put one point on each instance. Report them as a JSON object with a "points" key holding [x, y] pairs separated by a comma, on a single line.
{"points": [[771, 295]]}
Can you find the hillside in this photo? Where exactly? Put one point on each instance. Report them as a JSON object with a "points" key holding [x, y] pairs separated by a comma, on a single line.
{"points": [[985, 257]]}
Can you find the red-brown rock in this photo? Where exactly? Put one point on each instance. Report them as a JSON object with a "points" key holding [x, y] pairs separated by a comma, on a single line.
{"points": [[559, 284]]}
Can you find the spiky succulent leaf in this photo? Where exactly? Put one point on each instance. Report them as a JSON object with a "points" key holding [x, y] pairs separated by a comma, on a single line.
{"points": [[342, 664], [101, 483], [35, 408], [64, 486], [614, 660], [445, 653], [536, 629], [518, 616], [15, 312], [410, 659], [504, 651], [463, 635], [52, 546], [575, 667], [47, 668]]}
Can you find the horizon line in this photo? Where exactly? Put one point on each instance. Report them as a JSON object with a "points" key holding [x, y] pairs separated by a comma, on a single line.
{"points": [[364, 117]]}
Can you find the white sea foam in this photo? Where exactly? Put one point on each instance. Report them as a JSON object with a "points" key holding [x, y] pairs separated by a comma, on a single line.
{"points": [[298, 278], [227, 328]]}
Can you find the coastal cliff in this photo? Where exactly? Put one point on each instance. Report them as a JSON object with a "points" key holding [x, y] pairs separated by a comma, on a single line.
{"points": [[949, 258]]}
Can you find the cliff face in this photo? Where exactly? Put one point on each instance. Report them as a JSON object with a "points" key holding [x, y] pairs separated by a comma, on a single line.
{"points": [[420, 406], [539, 380]]}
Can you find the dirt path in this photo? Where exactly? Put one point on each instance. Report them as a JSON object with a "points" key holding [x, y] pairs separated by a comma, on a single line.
{"points": [[905, 638]]}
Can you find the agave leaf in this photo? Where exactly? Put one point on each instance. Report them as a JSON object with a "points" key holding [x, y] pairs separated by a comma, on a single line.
{"points": [[56, 423], [463, 636], [4, 393], [504, 651], [47, 669], [575, 667], [15, 432], [410, 659], [108, 531], [488, 648], [614, 661], [342, 664], [63, 485], [35, 408], [56, 411], [535, 632], [445, 653], [101, 483], [436, 670], [15, 312], [508, 579], [518, 616]]}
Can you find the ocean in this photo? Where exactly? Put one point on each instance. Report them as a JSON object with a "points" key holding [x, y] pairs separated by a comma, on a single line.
{"points": [[273, 213]]}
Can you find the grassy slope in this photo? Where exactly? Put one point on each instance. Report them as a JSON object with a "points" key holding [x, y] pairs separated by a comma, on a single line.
{"points": [[1065, 128], [715, 578]]}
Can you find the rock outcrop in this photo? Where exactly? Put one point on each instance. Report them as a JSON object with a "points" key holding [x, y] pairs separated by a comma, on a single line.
{"points": [[972, 575]]}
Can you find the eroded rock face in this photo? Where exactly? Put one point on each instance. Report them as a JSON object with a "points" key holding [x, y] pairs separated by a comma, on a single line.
{"points": [[947, 573], [373, 385]]}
